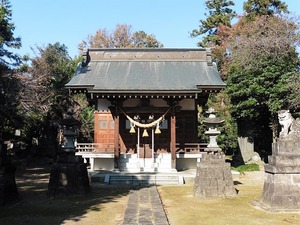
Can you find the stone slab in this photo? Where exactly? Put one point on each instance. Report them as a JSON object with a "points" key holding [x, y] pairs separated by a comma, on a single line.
{"points": [[285, 160], [282, 169], [288, 147], [68, 178]]}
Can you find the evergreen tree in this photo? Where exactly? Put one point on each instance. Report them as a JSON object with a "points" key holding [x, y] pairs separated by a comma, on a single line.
{"points": [[220, 14], [255, 8], [7, 39], [10, 118]]}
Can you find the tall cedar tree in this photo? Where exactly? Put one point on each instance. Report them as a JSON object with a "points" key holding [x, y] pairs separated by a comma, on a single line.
{"points": [[10, 117], [219, 14], [214, 30], [256, 8], [7, 39]]}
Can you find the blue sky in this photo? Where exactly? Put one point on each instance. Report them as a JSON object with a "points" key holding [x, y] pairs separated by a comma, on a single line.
{"points": [[40, 22]]}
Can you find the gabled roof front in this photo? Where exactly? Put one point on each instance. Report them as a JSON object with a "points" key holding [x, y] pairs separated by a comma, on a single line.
{"points": [[140, 71]]}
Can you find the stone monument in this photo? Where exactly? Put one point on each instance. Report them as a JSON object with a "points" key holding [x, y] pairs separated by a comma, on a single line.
{"points": [[213, 176], [69, 173], [281, 191]]}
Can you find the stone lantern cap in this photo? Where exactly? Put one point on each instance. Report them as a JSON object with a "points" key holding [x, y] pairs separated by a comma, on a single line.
{"points": [[212, 120], [69, 121]]}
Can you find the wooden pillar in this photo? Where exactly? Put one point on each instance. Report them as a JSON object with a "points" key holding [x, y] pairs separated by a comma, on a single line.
{"points": [[173, 140], [116, 140]]}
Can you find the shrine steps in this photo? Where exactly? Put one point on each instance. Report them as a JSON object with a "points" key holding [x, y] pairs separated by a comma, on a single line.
{"points": [[138, 179], [131, 163]]}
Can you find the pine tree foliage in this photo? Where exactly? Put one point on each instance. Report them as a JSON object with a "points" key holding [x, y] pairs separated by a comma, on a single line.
{"points": [[220, 14], [7, 39], [10, 85], [256, 8]]}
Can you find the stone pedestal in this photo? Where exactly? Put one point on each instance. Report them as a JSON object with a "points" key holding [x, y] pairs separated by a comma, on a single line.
{"points": [[281, 190], [69, 176], [8, 188], [213, 178]]}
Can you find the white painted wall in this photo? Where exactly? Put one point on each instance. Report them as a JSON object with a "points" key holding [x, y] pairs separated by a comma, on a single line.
{"points": [[103, 164], [185, 164]]}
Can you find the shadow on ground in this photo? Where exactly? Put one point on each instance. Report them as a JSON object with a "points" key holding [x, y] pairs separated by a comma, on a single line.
{"points": [[35, 207]]}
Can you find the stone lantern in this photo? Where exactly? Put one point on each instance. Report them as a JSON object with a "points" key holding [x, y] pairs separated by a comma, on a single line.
{"points": [[70, 128], [69, 173], [212, 122], [213, 175]]}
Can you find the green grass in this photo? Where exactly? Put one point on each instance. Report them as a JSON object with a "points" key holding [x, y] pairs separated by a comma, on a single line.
{"points": [[246, 167], [183, 208]]}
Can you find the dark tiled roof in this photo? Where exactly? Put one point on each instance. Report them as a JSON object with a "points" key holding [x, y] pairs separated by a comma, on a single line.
{"points": [[140, 70]]}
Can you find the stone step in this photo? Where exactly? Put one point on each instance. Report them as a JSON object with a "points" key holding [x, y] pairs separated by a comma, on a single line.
{"points": [[130, 163], [163, 165], [144, 179]]}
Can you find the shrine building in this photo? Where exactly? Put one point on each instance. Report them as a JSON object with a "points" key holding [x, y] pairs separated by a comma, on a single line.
{"points": [[146, 106]]}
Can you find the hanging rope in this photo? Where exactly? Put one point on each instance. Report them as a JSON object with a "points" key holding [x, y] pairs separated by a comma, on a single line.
{"points": [[146, 125]]}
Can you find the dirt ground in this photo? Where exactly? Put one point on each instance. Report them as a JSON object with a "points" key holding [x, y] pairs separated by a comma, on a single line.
{"points": [[106, 204]]}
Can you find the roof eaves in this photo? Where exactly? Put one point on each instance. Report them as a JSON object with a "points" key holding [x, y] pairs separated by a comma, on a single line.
{"points": [[145, 91], [211, 87], [71, 86]]}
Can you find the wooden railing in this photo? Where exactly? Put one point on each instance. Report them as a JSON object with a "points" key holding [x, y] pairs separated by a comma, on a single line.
{"points": [[95, 147], [191, 148]]}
